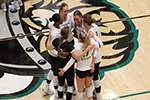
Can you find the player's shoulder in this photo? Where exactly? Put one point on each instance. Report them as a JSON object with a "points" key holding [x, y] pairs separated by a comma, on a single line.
{"points": [[50, 25], [70, 15], [78, 45]]}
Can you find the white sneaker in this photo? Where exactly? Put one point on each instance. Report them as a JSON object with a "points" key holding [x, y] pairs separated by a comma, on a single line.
{"points": [[99, 96], [16, 4], [47, 93], [56, 98], [20, 3], [3, 6], [12, 7]]}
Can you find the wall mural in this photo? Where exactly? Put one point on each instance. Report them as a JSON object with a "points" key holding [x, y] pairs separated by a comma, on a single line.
{"points": [[25, 63]]}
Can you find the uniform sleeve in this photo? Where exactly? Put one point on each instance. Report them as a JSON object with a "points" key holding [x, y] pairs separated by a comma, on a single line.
{"points": [[71, 48], [97, 39], [50, 25], [72, 20], [98, 30], [54, 51], [95, 52], [69, 64], [55, 43], [97, 45]]}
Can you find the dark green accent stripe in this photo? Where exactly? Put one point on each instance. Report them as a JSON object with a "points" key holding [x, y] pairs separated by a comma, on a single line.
{"points": [[99, 44]]}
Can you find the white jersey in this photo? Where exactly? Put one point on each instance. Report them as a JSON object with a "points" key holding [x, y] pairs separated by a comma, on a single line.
{"points": [[95, 29], [69, 23], [98, 32], [80, 28], [55, 33], [85, 62]]}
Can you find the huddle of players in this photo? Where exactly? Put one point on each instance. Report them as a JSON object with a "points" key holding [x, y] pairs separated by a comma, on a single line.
{"points": [[64, 53]]}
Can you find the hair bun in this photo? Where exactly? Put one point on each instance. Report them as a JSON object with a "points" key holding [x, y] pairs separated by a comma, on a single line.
{"points": [[51, 19]]}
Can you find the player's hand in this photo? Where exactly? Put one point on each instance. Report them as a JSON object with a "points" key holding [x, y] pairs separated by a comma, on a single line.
{"points": [[92, 68], [61, 72]]}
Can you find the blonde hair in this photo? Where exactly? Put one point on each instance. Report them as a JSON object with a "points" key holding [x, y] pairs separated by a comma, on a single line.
{"points": [[85, 38]]}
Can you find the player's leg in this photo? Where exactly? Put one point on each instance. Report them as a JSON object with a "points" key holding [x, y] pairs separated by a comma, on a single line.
{"points": [[96, 82], [69, 74], [3, 6], [80, 79]]}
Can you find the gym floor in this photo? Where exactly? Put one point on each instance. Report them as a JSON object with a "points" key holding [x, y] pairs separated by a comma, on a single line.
{"points": [[124, 70]]}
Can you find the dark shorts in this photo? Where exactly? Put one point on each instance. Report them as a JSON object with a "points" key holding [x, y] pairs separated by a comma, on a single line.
{"points": [[83, 74], [53, 61]]}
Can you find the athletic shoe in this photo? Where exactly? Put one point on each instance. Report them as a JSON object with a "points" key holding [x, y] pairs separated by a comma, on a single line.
{"points": [[74, 90], [20, 3], [14, 5], [3, 6], [56, 95], [56, 98], [47, 93]]}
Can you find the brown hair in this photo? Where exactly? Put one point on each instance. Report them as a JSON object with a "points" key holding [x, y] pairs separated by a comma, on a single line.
{"points": [[77, 13], [88, 19], [64, 35], [85, 38], [61, 6]]}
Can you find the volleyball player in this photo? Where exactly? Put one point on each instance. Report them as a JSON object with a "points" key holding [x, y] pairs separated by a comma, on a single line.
{"points": [[68, 20], [87, 22], [56, 20]]}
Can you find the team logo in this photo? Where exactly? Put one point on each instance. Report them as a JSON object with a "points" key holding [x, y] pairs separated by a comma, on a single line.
{"points": [[25, 61]]}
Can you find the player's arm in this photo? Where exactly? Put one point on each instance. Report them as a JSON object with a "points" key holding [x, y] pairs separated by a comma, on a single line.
{"points": [[49, 45], [68, 65]]}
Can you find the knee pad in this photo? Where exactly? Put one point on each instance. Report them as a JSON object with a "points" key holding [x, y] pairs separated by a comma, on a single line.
{"points": [[97, 83], [55, 80], [70, 89], [48, 81], [50, 75], [89, 91], [79, 96], [60, 88]]}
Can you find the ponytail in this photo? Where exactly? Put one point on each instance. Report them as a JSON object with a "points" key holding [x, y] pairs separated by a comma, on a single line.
{"points": [[64, 35], [88, 19], [85, 38]]}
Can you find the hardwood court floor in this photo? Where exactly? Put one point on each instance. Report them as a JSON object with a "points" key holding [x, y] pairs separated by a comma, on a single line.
{"points": [[123, 81]]}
